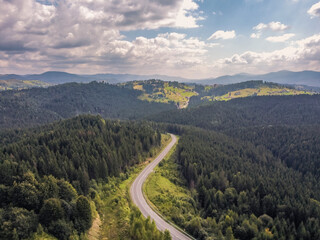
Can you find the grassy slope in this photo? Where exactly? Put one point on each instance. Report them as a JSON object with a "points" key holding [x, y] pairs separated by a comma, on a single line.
{"points": [[169, 195], [165, 92], [180, 94], [261, 91], [14, 84], [42, 236], [114, 203]]}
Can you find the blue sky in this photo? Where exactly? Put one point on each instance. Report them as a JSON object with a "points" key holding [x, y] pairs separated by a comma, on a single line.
{"points": [[188, 38]]}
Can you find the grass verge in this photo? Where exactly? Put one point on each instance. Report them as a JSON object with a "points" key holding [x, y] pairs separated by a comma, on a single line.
{"points": [[167, 195], [114, 203]]}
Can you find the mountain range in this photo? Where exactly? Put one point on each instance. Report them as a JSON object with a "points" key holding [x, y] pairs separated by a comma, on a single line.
{"points": [[53, 77], [307, 78]]}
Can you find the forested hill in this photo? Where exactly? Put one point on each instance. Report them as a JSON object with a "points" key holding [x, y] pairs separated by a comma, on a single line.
{"points": [[45, 177], [247, 112], [251, 88], [246, 192], [256, 175], [42, 105], [185, 95]]}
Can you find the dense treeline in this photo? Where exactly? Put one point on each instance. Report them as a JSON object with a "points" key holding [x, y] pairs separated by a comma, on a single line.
{"points": [[248, 112], [43, 105], [45, 176], [254, 175], [286, 125], [297, 146], [257, 178], [245, 192], [145, 229]]}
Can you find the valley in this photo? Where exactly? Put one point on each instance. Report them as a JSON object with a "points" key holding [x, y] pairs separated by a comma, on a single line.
{"points": [[159, 120], [80, 146]]}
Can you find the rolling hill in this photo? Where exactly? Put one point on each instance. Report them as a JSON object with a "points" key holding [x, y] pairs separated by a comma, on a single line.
{"points": [[54, 77], [131, 100], [248, 112], [35, 106], [163, 92], [308, 78], [182, 94]]}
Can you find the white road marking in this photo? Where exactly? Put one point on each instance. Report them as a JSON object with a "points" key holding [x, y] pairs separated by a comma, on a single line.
{"points": [[139, 200]]}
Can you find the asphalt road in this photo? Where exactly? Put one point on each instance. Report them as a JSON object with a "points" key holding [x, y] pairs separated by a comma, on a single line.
{"points": [[139, 200]]}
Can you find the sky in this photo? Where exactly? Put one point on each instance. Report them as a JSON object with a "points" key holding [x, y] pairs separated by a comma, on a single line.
{"points": [[187, 38]]}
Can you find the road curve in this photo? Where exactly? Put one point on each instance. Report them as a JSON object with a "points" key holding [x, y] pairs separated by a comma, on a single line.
{"points": [[139, 200]]}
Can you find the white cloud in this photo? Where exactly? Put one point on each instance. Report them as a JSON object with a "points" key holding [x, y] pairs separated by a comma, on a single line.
{"points": [[170, 50], [29, 24], [217, 13], [314, 11], [183, 18], [223, 35], [273, 26], [255, 35], [300, 55], [165, 53], [86, 34], [282, 38]]}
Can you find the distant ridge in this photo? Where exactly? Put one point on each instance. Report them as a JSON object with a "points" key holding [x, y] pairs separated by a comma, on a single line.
{"points": [[308, 78], [57, 77], [54, 77]]}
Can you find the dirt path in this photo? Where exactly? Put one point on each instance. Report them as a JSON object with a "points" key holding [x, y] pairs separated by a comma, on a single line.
{"points": [[94, 232]]}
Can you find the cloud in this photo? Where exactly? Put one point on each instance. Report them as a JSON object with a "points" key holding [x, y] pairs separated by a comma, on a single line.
{"points": [[273, 26], [300, 55], [217, 13], [222, 35], [87, 36], [282, 38], [255, 35], [314, 11], [169, 50], [79, 23], [38, 35], [165, 53], [136, 14]]}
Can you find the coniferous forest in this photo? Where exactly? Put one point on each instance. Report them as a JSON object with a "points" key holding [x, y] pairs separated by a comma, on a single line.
{"points": [[251, 165], [255, 172], [46, 174], [248, 189], [159, 120], [36, 106]]}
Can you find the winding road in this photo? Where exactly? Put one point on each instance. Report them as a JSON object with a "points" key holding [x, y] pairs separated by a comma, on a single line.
{"points": [[139, 200]]}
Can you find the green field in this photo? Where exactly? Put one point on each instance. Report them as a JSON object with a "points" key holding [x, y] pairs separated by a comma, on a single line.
{"points": [[180, 93], [164, 92], [14, 84], [261, 91]]}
